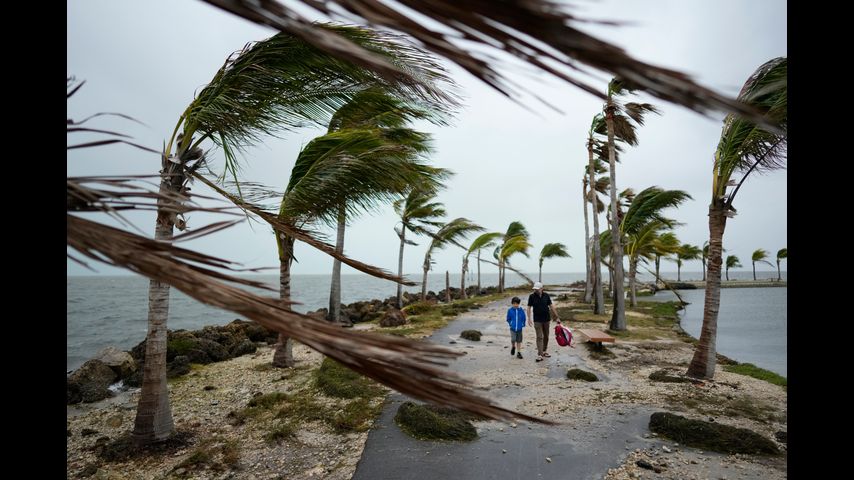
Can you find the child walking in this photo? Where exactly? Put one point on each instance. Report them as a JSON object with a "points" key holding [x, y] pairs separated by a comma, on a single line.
{"points": [[516, 320]]}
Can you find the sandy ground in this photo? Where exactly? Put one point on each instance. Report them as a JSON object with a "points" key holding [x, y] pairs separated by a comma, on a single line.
{"points": [[539, 389]]}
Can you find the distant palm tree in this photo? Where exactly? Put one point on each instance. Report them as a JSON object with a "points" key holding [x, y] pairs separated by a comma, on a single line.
{"points": [[643, 224], [593, 285], [515, 240], [418, 212], [662, 246], [686, 252], [551, 250], [759, 255], [745, 146], [621, 121], [781, 254], [486, 240], [731, 262], [450, 233]]}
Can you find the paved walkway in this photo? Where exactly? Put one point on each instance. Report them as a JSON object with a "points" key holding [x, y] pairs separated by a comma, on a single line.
{"points": [[584, 447]]}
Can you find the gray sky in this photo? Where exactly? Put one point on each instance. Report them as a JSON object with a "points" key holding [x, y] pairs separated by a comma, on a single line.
{"points": [[147, 59]]}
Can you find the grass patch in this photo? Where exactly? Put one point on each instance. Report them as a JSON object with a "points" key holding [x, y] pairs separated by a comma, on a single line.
{"points": [[213, 453], [428, 422], [727, 406], [124, 448], [419, 308], [599, 353], [256, 407], [473, 335], [578, 374], [282, 431], [566, 314], [336, 380], [593, 318], [356, 416], [710, 436], [634, 334], [263, 367], [752, 370]]}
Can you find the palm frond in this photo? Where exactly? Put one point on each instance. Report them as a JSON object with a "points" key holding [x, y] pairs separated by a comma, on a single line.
{"points": [[551, 250], [782, 253], [485, 240], [732, 262], [542, 33], [648, 205]]}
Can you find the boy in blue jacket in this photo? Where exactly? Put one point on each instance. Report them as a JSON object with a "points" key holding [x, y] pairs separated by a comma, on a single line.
{"points": [[516, 320]]}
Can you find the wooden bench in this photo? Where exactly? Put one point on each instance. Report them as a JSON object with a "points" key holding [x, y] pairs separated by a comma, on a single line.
{"points": [[596, 336]]}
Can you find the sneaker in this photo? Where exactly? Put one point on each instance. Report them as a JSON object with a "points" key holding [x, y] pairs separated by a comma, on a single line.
{"points": [[546, 354], [512, 351], [539, 359], [519, 355]]}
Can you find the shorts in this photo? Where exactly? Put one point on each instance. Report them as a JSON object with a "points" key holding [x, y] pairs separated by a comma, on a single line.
{"points": [[516, 336]]}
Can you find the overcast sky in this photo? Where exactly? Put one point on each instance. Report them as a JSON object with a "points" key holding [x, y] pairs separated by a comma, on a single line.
{"points": [[146, 59]]}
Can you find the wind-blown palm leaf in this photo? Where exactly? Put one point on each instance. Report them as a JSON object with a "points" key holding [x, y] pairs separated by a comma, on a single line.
{"points": [[782, 253], [542, 33], [485, 240], [301, 234], [408, 366], [688, 252], [732, 261], [513, 245], [647, 206], [745, 146], [760, 255], [284, 82], [551, 250], [453, 231]]}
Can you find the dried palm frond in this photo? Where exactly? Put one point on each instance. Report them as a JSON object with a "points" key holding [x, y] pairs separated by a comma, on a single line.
{"points": [[541, 33], [408, 366]]}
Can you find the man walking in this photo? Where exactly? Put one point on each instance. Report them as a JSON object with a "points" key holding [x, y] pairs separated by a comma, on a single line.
{"points": [[541, 303]]}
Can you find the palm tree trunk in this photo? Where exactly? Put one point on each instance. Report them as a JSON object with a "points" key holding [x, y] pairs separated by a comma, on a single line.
{"points": [[633, 270], [778, 270], [447, 287], [478, 272], [704, 268], [678, 272], [703, 363], [727, 274], [463, 277], [540, 277], [754, 271], [334, 314], [598, 295], [153, 421], [588, 284], [618, 318], [400, 267], [283, 355], [426, 268], [657, 265], [500, 276]]}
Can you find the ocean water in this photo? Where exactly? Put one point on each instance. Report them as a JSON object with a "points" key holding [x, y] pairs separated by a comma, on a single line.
{"points": [[752, 323], [106, 311]]}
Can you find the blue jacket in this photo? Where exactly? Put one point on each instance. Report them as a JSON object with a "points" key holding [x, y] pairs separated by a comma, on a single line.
{"points": [[516, 318]]}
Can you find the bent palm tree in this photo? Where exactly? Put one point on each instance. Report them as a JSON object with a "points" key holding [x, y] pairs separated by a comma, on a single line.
{"points": [[686, 252], [731, 262], [451, 232], [759, 256], [744, 147], [388, 117], [781, 254], [515, 241], [417, 213], [621, 121], [664, 245], [594, 166], [270, 86], [485, 240], [551, 250]]}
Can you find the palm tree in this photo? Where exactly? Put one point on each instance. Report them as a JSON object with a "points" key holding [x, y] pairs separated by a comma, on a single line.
{"points": [[485, 240], [759, 256], [515, 241], [781, 254], [252, 95], [621, 121], [744, 147], [450, 233], [600, 186], [388, 117], [705, 256], [731, 262], [418, 212], [551, 250], [664, 245], [686, 252], [594, 146], [643, 224]]}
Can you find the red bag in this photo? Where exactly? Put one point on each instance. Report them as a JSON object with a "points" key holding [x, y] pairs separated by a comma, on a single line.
{"points": [[563, 336]]}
